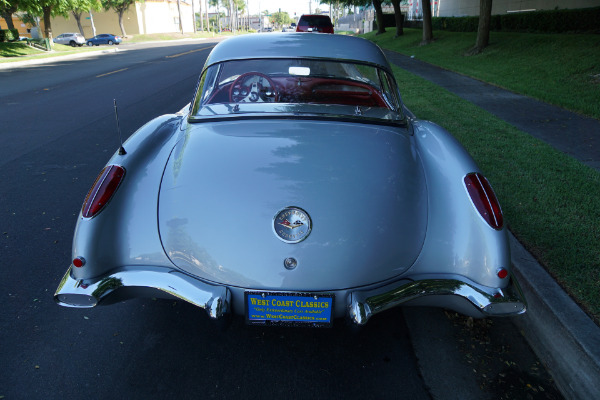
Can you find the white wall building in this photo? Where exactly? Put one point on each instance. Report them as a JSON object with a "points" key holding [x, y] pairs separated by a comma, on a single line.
{"points": [[150, 16]]}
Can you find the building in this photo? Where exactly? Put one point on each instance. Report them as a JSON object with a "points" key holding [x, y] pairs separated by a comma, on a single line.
{"points": [[24, 29], [149, 16]]}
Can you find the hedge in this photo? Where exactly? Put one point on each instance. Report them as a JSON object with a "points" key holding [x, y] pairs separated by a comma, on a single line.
{"points": [[9, 35], [545, 21]]}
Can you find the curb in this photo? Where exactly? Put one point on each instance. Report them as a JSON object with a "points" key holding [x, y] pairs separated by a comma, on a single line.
{"points": [[47, 60], [564, 338]]}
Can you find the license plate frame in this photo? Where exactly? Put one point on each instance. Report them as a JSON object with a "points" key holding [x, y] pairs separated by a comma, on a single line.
{"points": [[289, 308]]}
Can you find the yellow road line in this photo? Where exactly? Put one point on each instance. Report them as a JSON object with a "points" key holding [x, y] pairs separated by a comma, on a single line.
{"points": [[187, 52], [110, 73]]}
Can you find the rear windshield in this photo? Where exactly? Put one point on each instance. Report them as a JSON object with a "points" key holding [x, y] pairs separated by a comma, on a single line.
{"points": [[315, 20], [295, 81]]}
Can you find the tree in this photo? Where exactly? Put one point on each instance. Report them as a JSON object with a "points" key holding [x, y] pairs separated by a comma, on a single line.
{"points": [[7, 10], [281, 18], [427, 26], [47, 8], [379, 16], [206, 14], [483, 29], [78, 7], [120, 7], [200, 15], [179, 14], [398, 17]]}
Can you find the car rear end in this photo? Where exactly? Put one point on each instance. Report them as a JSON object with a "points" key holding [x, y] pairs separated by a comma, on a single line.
{"points": [[78, 39], [315, 23]]}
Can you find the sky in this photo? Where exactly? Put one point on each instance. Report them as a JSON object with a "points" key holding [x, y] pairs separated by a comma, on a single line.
{"points": [[298, 6]]}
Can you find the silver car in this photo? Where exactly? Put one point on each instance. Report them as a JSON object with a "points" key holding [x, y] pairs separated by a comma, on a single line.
{"points": [[296, 189], [70, 39]]}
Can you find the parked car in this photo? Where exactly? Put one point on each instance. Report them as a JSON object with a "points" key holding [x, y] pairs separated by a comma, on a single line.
{"points": [[315, 23], [295, 189], [104, 38], [70, 39]]}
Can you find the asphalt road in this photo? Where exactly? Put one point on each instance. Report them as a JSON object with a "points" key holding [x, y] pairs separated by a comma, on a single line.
{"points": [[57, 130]]}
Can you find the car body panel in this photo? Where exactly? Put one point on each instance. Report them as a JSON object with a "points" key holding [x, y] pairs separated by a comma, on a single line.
{"points": [[342, 184]]}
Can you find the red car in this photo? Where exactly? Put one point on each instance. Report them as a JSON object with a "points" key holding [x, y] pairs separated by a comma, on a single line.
{"points": [[315, 23]]}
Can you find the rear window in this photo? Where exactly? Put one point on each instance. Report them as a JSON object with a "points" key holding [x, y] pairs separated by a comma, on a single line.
{"points": [[319, 21], [231, 86]]}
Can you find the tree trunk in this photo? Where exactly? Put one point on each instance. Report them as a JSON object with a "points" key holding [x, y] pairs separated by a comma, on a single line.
{"points": [[47, 23], [8, 12], [121, 12], [9, 22], [201, 17], [483, 29], [179, 13], [207, 21], [398, 17], [379, 17], [77, 16], [427, 28]]}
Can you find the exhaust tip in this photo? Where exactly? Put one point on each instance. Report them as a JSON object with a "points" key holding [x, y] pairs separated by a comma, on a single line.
{"points": [[75, 300]]}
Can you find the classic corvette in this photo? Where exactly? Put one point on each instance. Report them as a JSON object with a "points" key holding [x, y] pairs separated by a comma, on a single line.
{"points": [[295, 188]]}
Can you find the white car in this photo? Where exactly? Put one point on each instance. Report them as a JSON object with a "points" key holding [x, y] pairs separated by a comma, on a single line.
{"points": [[70, 39]]}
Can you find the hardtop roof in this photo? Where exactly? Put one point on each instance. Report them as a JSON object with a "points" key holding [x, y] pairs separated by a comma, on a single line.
{"points": [[298, 45]]}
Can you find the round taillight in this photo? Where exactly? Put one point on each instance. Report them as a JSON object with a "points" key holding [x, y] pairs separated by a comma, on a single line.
{"points": [[502, 273], [103, 189], [484, 199], [79, 262]]}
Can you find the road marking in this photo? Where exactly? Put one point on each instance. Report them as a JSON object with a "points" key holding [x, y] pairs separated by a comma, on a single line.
{"points": [[110, 73], [187, 52]]}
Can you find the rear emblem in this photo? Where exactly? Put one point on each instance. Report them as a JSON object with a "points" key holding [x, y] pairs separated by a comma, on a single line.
{"points": [[292, 224]]}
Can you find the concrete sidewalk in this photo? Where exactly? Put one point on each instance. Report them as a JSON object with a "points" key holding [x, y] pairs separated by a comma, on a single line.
{"points": [[571, 133], [564, 338]]}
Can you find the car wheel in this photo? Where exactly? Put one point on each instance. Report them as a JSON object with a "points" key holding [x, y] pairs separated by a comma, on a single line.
{"points": [[111, 42], [72, 43], [90, 43]]}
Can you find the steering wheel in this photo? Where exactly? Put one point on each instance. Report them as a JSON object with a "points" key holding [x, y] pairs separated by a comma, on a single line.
{"points": [[253, 87]]}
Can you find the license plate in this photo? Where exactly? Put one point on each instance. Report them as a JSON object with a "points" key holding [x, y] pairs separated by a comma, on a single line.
{"points": [[296, 309]]}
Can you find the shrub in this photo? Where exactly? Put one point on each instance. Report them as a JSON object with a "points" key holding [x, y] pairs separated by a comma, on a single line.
{"points": [[9, 35], [544, 21]]}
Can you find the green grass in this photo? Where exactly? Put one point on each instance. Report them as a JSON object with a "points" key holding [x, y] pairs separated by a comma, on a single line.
{"points": [[16, 49], [19, 51], [551, 201], [559, 69]]}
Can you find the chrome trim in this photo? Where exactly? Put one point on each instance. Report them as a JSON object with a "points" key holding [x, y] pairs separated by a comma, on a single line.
{"points": [[215, 300], [486, 301]]}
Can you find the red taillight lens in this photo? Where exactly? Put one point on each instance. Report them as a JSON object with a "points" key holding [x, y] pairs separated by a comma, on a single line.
{"points": [[105, 186], [79, 262], [484, 199]]}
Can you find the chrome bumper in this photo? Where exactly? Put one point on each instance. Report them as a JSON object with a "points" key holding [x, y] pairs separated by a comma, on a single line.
{"points": [[85, 294], [458, 295], [466, 298]]}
